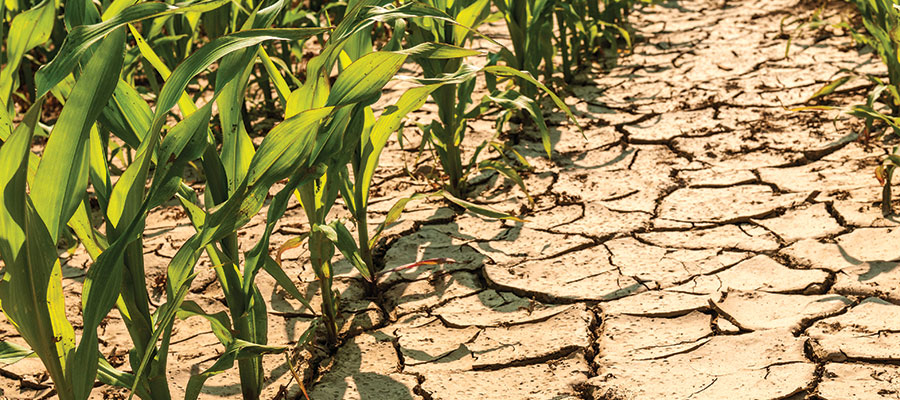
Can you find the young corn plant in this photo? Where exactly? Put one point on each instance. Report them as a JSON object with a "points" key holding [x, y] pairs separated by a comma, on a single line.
{"points": [[448, 131], [350, 137], [530, 23], [585, 36]]}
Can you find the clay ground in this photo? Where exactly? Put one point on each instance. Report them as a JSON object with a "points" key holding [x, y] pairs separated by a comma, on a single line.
{"points": [[703, 243]]}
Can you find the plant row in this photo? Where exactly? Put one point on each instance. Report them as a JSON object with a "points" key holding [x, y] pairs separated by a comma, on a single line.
{"points": [[100, 122]]}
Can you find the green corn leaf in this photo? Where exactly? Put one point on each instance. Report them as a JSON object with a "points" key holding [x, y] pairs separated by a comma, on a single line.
{"points": [[103, 280], [514, 101], [109, 375], [11, 353], [237, 148], [439, 51], [99, 170], [463, 74], [830, 87], [27, 31], [502, 70], [236, 351], [468, 18], [213, 51], [219, 322], [281, 86], [315, 91], [62, 175], [127, 115], [258, 258], [186, 256], [285, 282], [184, 143], [6, 125], [479, 209], [81, 38], [184, 102], [387, 124], [31, 290], [84, 230], [365, 77], [116, 7], [345, 243], [284, 146], [508, 172], [393, 215], [419, 10]]}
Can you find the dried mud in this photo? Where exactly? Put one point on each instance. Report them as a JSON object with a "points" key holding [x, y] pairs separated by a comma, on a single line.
{"points": [[702, 243]]}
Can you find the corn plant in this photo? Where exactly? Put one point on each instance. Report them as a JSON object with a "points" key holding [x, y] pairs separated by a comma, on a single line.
{"points": [[352, 138], [530, 23], [583, 36], [447, 132]]}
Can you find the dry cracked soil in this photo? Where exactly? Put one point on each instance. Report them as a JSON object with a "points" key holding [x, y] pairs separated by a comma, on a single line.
{"points": [[702, 243]]}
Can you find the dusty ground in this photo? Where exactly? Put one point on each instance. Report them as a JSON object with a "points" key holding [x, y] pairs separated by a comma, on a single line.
{"points": [[704, 243]]}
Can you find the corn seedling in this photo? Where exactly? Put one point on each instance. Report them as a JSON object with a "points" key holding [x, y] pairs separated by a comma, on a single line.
{"points": [[583, 36], [447, 132]]}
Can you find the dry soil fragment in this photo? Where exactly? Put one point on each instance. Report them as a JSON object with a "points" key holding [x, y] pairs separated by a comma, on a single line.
{"points": [[556, 216], [440, 347], [628, 337], [741, 237], [667, 267], [758, 273], [871, 244], [620, 190], [859, 382], [824, 176], [550, 380], [762, 365], [761, 310], [667, 126], [811, 253], [563, 333], [725, 326], [407, 297], [467, 227], [727, 204], [429, 243], [717, 177], [854, 276], [598, 221], [873, 278], [581, 275], [811, 222], [868, 331], [863, 214], [492, 308], [366, 367], [657, 303], [597, 137], [520, 243]]}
